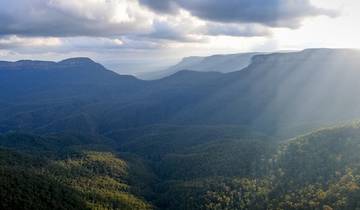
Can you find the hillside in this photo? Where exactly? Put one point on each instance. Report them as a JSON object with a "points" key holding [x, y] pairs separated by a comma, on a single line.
{"points": [[312, 171], [315, 171], [75, 175], [283, 92]]}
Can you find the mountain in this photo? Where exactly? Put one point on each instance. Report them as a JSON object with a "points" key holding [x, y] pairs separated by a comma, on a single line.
{"points": [[283, 90], [279, 94], [50, 95], [34, 81], [74, 135], [216, 63]]}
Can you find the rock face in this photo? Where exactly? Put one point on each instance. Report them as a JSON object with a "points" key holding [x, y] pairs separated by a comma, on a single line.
{"points": [[216, 63]]}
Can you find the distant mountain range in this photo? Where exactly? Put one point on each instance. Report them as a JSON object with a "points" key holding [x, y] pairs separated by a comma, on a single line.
{"points": [[276, 93], [215, 63]]}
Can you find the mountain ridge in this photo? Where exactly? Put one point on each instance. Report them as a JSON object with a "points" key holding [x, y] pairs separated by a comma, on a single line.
{"points": [[76, 61], [223, 63], [268, 94]]}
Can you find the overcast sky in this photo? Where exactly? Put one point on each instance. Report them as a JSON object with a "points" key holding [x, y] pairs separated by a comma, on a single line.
{"points": [[131, 36]]}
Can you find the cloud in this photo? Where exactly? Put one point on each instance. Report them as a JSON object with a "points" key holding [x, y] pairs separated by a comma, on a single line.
{"points": [[15, 42], [273, 13], [63, 18], [105, 18], [164, 6], [76, 44], [241, 30], [180, 28], [168, 31], [112, 28]]}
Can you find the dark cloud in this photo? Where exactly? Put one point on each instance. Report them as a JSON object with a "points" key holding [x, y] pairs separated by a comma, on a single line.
{"points": [[274, 13], [165, 6], [164, 30], [175, 31]]}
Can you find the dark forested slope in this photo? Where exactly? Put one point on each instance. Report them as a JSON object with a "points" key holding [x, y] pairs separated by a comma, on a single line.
{"points": [[315, 171], [68, 172]]}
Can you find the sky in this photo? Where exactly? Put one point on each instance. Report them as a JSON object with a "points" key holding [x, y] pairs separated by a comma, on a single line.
{"points": [[132, 36]]}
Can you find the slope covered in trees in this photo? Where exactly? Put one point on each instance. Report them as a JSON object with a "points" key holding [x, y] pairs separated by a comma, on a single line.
{"points": [[36, 174], [316, 171], [319, 170]]}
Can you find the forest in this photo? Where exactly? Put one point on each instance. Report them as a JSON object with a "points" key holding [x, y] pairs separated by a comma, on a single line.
{"points": [[319, 170]]}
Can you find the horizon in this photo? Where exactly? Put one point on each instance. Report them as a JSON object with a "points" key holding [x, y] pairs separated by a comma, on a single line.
{"points": [[165, 68]]}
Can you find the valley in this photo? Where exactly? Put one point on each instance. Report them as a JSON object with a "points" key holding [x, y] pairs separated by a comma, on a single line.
{"points": [[281, 133]]}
